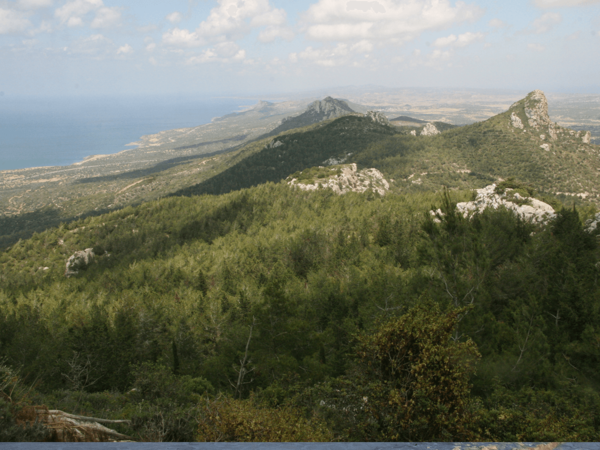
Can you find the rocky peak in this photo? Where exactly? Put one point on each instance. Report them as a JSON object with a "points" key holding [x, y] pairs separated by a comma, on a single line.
{"points": [[329, 108], [377, 117], [261, 105], [531, 115], [535, 107]]}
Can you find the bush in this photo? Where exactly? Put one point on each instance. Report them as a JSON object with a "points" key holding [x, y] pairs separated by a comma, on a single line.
{"points": [[231, 420]]}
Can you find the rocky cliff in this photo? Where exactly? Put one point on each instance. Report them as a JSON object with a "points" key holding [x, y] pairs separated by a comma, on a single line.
{"points": [[328, 108], [530, 115]]}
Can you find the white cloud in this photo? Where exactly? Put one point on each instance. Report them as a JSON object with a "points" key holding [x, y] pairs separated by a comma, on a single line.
{"points": [[150, 47], [341, 54], [182, 38], [396, 21], [33, 4], [174, 17], [152, 60], [224, 52], [536, 47], [106, 18], [74, 22], [125, 50], [561, 3], [75, 9], [546, 22], [270, 34], [73, 12], [363, 46], [232, 20], [496, 23], [95, 45], [13, 22], [462, 40]]}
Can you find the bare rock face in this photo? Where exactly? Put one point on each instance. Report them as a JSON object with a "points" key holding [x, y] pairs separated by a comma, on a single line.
{"points": [[592, 224], [345, 179], [516, 121], [587, 138], [429, 130], [79, 260], [536, 109], [377, 117], [529, 209]]}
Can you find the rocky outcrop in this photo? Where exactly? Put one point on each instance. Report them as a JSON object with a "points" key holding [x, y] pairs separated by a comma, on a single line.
{"points": [[274, 144], [429, 130], [318, 111], [531, 115], [528, 208], [516, 121], [78, 261], [592, 224], [377, 117], [345, 179], [536, 109]]}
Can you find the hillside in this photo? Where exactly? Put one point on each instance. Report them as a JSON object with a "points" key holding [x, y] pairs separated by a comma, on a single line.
{"points": [[521, 143], [274, 301]]}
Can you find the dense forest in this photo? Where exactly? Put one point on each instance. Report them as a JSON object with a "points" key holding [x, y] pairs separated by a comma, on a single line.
{"points": [[270, 313]]}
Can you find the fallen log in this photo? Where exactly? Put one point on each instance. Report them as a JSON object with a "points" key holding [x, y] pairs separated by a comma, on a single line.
{"points": [[67, 427]]}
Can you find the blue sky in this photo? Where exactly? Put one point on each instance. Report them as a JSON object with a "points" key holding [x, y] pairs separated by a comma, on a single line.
{"points": [[237, 47]]}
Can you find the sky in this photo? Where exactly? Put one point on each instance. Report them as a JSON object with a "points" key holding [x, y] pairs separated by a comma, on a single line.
{"points": [[249, 47]]}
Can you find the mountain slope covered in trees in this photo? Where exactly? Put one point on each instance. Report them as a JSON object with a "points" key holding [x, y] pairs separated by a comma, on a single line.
{"points": [[272, 313]]}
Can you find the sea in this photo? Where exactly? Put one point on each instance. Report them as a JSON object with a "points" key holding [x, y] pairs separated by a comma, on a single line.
{"points": [[58, 131]]}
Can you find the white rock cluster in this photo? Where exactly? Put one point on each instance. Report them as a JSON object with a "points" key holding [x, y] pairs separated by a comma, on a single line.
{"points": [[79, 260], [536, 211], [592, 224], [515, 121], [587, 137], [377, 117], [429, 130], [274, 144], [350, 180]]}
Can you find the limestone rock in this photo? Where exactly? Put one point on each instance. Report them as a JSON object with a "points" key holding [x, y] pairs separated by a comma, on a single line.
{"points": [[536, 109], [349, 180], [545, 147], [532, 210], [587, 137], [274, 144], [515, 121], [79, 260], [592, 224], [413, 132], [377, 117], [429, 130]]}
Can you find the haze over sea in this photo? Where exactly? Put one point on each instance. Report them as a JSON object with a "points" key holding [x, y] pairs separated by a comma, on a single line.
{"points": [[45, 131]]}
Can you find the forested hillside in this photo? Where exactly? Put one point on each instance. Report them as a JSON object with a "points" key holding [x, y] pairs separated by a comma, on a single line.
{"points": [[268, 295], [270, 313]]}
